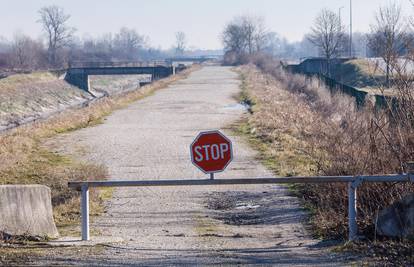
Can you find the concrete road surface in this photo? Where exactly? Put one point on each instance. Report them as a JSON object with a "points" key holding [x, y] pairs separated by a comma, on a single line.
{"points": [[150, 139]]}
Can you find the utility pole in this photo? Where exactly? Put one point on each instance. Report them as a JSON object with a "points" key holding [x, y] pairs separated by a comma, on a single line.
{"points": [[350, 28], [340, 29], [339, 13]]}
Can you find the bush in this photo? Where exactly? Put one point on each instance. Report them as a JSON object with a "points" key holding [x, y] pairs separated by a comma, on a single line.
{"points": [[336, 137]]}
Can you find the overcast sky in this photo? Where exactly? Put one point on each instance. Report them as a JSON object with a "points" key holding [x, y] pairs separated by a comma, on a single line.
{"points": [[201, 20]]}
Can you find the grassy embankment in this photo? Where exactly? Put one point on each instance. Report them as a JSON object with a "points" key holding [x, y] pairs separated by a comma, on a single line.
{"points": [[299, 128], [25, 160], [28, 96], [270, 128], [364, 75]]}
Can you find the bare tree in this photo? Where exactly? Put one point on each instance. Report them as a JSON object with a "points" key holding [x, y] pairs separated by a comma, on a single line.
{"points": [[388, 36], [275, 44], [25, 52], [128, 43], [244, 36], [255, 33], [233, 38], [248, 26], [327, 34], [125, 45], [359, 44], [4, 53], [180, 43], [54, 22]]}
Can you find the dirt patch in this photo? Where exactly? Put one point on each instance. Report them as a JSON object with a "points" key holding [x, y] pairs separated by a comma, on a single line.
{"points": [[386, 252], [250, 208]]}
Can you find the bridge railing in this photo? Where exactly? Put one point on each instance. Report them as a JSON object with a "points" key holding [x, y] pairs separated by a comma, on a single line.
{"points": [[352, 181], [109, 64]]}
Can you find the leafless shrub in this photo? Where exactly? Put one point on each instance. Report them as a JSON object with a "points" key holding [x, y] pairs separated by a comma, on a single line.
{"points": [[388, 37], [328, 135]]}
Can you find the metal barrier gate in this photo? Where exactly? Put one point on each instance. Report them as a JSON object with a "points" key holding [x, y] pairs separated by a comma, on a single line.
{"points": [[353, 183]]}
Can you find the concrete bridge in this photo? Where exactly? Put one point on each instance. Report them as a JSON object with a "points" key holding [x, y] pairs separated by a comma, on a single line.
{"points": [[78, 73]]}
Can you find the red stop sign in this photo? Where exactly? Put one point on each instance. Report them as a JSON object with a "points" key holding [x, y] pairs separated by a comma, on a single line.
{"points": [[211, 152]]}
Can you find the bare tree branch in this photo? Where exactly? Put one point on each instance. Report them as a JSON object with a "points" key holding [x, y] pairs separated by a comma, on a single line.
{"points": [[388, 36], [180, 44], [54, 23]]}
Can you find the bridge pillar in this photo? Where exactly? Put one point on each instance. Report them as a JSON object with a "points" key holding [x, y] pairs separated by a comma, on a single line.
{"points": [[79, 79], [79, 76]]}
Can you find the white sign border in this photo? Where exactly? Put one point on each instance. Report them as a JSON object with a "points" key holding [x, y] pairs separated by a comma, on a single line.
{"points": [[211, 132]]}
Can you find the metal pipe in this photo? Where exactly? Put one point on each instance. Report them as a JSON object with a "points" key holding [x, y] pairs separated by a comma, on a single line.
{"points": [[353, 183], [85, 212], [275, 180], [352, 208], [352, 212]]}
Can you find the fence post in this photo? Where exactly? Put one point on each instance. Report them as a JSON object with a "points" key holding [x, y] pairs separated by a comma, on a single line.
{"points": [[85, 212], [352, 208]]}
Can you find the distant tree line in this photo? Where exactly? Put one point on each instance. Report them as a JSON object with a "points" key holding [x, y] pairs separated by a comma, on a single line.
{"points": [[59, 46], [246, 36], [390, 37]]}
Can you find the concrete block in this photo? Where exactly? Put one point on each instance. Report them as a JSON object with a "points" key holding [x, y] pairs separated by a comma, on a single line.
{"points": [[26, 210], [397, 220]]}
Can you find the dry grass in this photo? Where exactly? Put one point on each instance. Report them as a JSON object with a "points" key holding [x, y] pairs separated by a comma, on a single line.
{"points": [[365, 74], [276, 123], [30, 78], [27, 96], [301, 129], [24, 160]]}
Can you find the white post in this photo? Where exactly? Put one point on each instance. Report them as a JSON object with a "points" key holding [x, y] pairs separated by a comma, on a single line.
{"points": [[88, 83], [352, 209], [85, 212], [352, 224]]}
